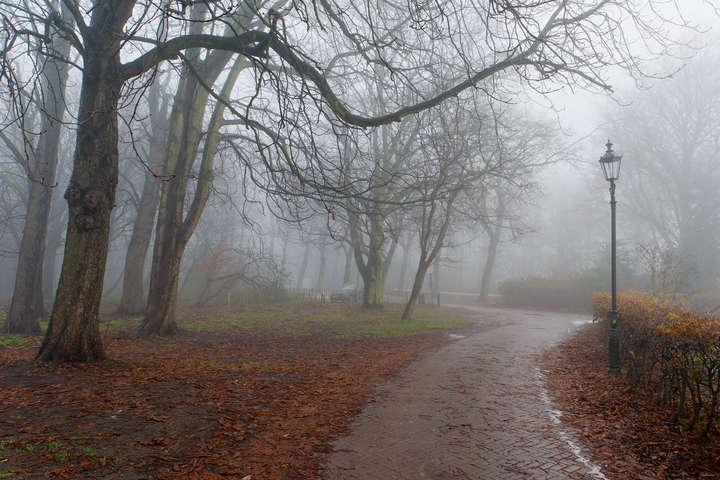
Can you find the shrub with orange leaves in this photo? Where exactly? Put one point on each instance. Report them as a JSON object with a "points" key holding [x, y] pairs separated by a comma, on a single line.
{"points": [[671, 352]]}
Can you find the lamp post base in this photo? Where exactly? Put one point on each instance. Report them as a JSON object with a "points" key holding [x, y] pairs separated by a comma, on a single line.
{"points": [[614, 344]]}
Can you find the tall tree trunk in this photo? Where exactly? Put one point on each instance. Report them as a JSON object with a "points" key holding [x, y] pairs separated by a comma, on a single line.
{"points": [[132, 301], [27, 304], [416, 289], [373, 285], [404, 265], [53, 242], [322, 267], [436, 280], [73, 333], [374, 269], [303, 267], [173, 231], [489, 265], [347, 273], [283, 261]]}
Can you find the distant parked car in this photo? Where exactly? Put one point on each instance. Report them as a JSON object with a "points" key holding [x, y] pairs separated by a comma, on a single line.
{"points": [[347, 294]]}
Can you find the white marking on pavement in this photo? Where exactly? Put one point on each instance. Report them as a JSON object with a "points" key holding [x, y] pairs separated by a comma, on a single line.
{"points": [[593, 469]]}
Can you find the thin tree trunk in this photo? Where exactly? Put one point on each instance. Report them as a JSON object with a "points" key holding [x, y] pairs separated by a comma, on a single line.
{"points": [[347, 273], [489, 265], [303, 267], [416, 289], [27, 304], [73, 333], [283, 261], [403, 266], [132, 301], [322, 267], [53, 242], [174, 231], [436, 281]]}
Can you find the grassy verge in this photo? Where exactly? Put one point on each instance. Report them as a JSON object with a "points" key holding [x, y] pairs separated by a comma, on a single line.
{"points": [[342, 321], [291, 319]]}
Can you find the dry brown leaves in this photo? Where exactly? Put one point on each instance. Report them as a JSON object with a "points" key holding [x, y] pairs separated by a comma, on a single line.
{"points": [[626, 431], [200, 406]]}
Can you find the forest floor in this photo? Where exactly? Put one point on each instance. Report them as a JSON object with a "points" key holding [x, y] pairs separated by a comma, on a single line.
{"points": [[257, 393], [625, 431]]}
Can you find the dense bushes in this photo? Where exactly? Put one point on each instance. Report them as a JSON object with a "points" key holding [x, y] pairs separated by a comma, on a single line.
{"points": [[670, 352], [547, 293]]}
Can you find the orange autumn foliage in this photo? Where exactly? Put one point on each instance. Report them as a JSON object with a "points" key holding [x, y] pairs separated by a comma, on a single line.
{"points": [[671, 352]]}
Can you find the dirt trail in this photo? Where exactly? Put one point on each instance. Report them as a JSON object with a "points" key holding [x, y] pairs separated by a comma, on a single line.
{"points": [[476, 409]]}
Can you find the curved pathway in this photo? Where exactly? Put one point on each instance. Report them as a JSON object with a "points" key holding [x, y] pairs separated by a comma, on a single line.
{"points": [[476, 409]]}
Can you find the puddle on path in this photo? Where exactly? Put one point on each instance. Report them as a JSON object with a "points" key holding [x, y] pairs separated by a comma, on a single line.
{"points": [[455, 336]]}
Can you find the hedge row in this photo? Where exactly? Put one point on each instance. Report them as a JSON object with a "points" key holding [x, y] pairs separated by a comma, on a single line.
{"points": [[672, 353]]}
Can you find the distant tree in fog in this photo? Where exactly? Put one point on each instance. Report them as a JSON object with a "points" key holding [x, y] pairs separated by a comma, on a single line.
{"points": [[671, 141]]}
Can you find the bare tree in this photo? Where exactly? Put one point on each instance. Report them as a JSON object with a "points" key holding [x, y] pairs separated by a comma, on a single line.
{"points": [[571, 40], [133, 299], [444, 173], [672, 137], [41, 165]]}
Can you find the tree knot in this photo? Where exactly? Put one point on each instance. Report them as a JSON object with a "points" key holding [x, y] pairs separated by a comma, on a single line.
{"points": [[86, 205]]}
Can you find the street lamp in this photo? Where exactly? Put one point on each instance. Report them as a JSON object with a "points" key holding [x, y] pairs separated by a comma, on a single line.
{"points": [[610, 163]]}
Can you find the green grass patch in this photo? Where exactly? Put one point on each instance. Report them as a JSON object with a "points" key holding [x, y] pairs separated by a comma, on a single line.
{"points": [[343, 321], [420, 323], [6, 474], [119, 324], [54, 445], [269, 320], [89, 452], [13, 340]]}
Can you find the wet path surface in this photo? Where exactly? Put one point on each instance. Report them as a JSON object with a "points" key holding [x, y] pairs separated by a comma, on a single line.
{"points": [[476, 409]]}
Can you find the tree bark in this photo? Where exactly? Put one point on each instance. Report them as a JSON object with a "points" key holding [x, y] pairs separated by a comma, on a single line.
{"points": [[347, 273], [53, 242], [373, 272], [404, 265], [303, 267], [27, 304], [322, 267], [73, 332], [436, 281], [489, 265], [132, 301], [173, 231], [416, 289]]}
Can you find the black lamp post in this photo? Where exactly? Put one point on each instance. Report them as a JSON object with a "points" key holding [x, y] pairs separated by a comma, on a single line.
{"points": [[610, 163]]}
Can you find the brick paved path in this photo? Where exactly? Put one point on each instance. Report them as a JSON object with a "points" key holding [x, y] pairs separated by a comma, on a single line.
{"points": [[476, 409]]}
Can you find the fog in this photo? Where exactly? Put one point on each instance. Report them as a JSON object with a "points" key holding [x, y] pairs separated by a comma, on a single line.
{"points": [[379, 180], [359, 239]]}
